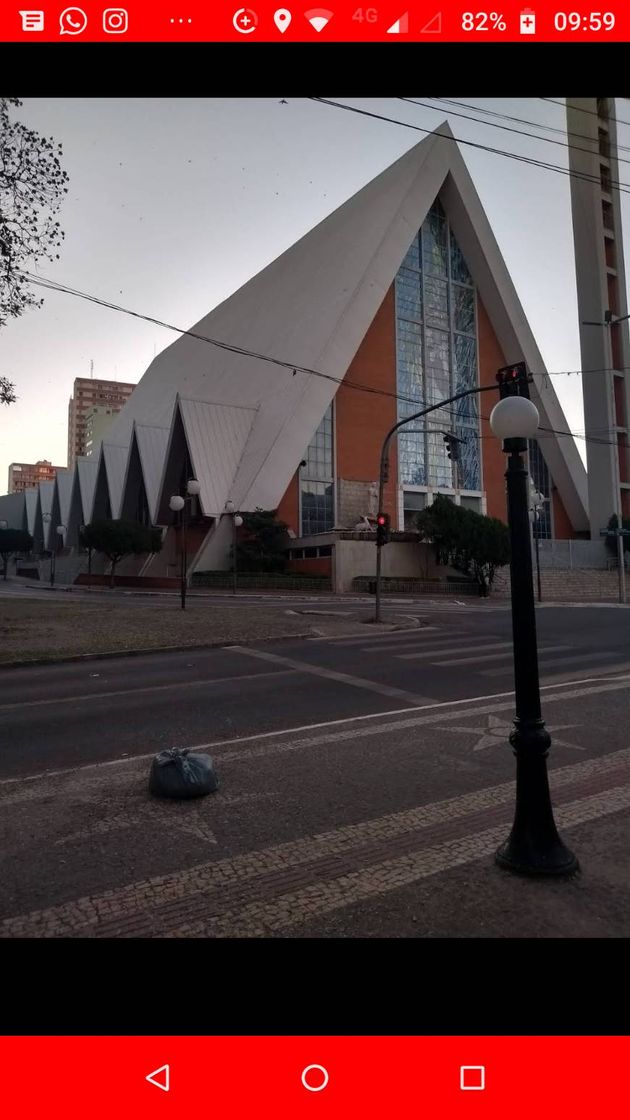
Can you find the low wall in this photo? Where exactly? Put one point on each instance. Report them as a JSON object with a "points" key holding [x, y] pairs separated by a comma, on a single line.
{"points": [[399, 559], [579, 586], [146, 582]]}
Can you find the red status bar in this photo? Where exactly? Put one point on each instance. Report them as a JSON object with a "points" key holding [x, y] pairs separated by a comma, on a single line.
{"points": [[393, 21], [329, 1077]]}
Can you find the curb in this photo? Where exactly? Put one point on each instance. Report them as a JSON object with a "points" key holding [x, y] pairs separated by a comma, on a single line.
{"points": [[109, 654]]}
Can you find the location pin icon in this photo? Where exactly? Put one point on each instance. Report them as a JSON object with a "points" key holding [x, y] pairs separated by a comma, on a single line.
{"points": [[282, 19]]}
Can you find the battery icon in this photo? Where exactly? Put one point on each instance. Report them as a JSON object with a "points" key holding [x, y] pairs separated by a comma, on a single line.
{"points": [[528, 22]]}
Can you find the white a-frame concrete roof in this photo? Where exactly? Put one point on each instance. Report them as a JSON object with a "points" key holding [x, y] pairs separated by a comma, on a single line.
{"points": [[86, 471], [112, 459], [61, 497], [30, 506], [44, 506], [312, 307], [152, 444]]}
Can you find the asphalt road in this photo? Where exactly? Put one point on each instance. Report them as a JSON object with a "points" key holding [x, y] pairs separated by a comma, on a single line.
{"points": [[364, 780], [64, 715]]}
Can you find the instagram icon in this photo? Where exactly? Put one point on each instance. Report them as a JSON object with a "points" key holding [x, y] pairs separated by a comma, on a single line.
{"points": [[115, 21]]}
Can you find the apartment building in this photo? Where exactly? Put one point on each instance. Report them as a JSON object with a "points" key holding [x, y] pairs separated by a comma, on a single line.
{"points": [[90, 393]]}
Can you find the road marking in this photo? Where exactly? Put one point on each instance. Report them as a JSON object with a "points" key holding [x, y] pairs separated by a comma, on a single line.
{"points": [[392, 635], [331, 674], [478, 659], [222, 874], [147, 688], [554, 679], [456, 647], [552, 662], [446, 641], [600, 684]]}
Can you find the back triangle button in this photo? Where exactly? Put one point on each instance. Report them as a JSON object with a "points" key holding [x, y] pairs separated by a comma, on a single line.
{"points": [[161, 1078]]}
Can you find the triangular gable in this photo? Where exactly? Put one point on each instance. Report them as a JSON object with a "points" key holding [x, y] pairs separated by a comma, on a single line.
{"points": [[216, 436], [86, 470], [152, 445], [12, 510], [61, 497], [30, 507], [109, 480], [313, 306], [44, 506]]}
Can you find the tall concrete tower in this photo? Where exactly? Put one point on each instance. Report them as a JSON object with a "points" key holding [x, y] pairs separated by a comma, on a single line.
{"points": [[601, 292]]}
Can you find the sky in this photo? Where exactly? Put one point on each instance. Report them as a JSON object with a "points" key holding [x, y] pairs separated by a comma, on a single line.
{"points": [[173, 204]]}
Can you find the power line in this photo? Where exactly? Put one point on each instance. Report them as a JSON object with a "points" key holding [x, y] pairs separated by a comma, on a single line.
{"points": [[517, 131], [581, 176], [591, 112], [521, 120], [52, 286], [624, 188]]}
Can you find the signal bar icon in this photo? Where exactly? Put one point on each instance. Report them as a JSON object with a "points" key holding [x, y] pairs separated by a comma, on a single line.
{"points": [[318, 18], [400, 27]]}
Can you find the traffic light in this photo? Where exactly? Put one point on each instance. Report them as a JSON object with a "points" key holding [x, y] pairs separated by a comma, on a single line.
{"points": [[383, 532], [452, 446], [513, 380]]}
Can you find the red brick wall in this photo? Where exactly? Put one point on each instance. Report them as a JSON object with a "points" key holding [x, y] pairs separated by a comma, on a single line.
{"points": [[562, 527], [289, 507], [363, 419]]}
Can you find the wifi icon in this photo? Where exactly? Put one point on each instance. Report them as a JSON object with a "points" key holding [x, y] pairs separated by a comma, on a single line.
{"points": [[318, 18]]}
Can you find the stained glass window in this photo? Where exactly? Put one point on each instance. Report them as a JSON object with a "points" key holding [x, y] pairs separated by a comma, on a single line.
{"points": [[436, 339]]}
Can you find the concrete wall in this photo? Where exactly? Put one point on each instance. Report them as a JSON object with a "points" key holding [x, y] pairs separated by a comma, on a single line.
{"points": [[214, 556], [356, 500], [586, 586], [358, 558]]}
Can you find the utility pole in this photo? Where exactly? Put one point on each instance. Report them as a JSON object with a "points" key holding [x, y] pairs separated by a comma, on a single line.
{"points": [[602, 308], [382, 519]]}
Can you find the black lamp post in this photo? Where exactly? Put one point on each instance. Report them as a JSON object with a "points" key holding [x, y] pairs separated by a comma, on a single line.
{"points": [[237, 521], [533, 846], [178, 504]]}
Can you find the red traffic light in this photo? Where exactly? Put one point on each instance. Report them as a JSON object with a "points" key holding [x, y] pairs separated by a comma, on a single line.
{"points": [[381, 519]]}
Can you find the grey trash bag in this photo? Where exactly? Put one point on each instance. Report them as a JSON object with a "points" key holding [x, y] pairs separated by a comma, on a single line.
{"points": [[176, 773]]}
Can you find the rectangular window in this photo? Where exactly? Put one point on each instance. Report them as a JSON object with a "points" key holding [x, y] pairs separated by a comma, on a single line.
{"points": [[316, 481]]}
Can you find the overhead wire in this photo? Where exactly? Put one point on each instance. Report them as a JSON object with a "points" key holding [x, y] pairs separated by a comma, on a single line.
{"points": [[519, 120], [581, 109], [508, 128], [585, 177], [293, 366]]}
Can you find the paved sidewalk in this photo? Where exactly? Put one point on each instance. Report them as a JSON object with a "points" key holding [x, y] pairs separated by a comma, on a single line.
{"points": [[369, 827]]}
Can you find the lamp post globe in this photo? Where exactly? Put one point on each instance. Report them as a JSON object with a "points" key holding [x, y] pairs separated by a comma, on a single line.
{"points": [[533, 846], [238, 521], [514, 418], [176, 503], [193, 487], [229, 506]]}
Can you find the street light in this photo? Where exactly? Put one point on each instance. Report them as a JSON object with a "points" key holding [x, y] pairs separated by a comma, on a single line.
{"points": [[237, 521], [178, 505], [533, 846]]}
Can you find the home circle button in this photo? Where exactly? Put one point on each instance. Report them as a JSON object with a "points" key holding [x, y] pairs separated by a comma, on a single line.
{"points": [[314, 1078]]}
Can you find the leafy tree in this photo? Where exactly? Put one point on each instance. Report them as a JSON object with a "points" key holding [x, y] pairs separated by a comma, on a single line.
{"points": [[470, 542], [7, 391], [116, 539], [12, 541], [611, 537], [261, 548], [32, 186]]}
